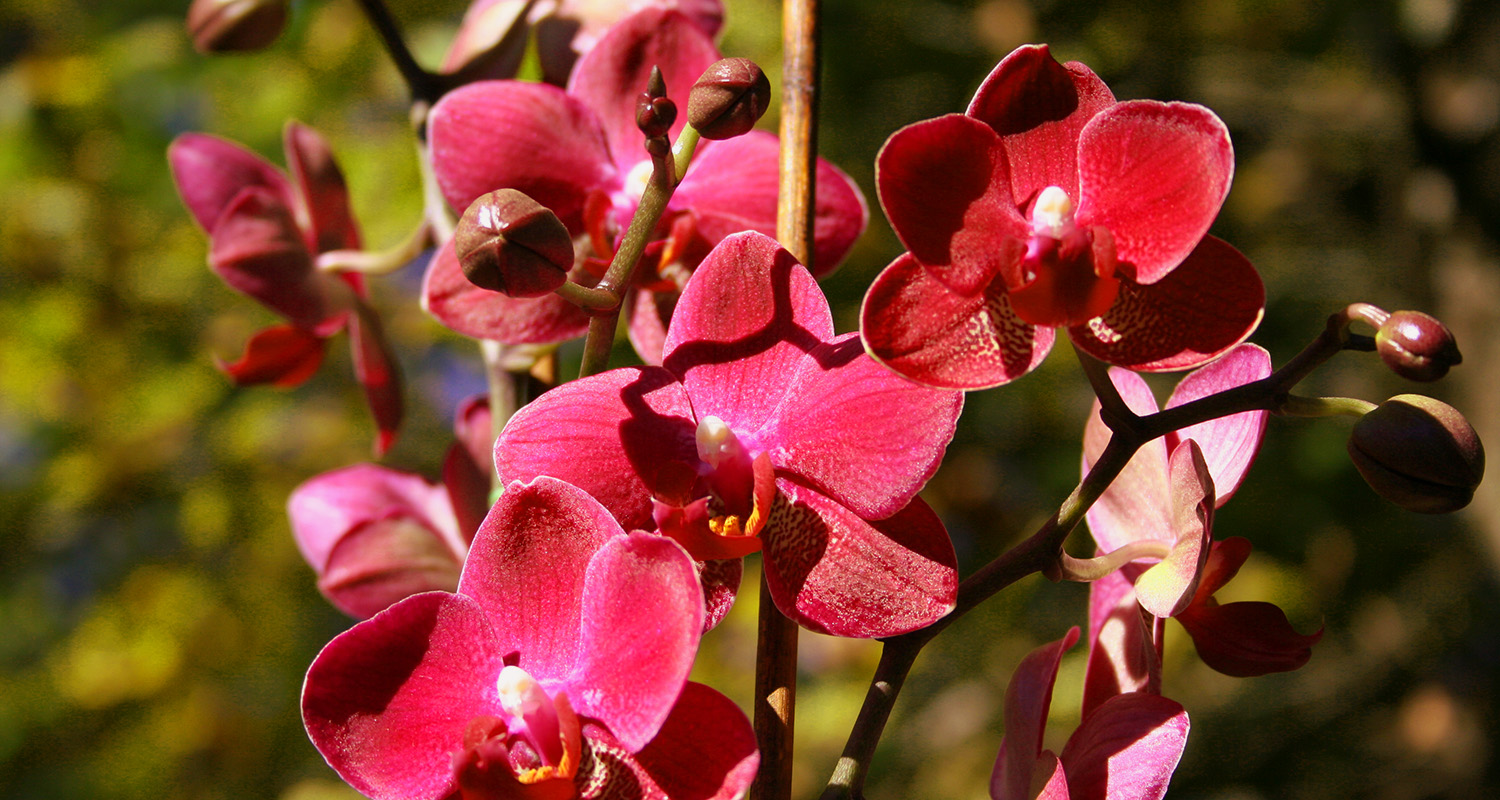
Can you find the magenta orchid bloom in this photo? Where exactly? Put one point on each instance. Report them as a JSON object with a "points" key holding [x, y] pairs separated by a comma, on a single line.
{"points": [[1126, 749], [1167, 493], [376, 535], [580, 153], [1049, 205], [558, 670], [265, 233], [492, 38], [764, 430]]}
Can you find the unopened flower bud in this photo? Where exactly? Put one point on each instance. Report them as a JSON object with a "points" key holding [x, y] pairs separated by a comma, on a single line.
{"points": [[222, 26], [655, 115], [1416, 346], [510, 243], [728, 99], [1419, 453]]}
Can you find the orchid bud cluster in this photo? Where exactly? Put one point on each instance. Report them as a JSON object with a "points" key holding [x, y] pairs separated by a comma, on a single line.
{"points": [[529, 622]]}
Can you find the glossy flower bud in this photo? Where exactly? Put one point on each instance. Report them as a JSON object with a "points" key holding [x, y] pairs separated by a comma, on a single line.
{"points": [[1419, 453], [1416, 346], [654, 111], [728, 99], [223, 26], [509, 243]]}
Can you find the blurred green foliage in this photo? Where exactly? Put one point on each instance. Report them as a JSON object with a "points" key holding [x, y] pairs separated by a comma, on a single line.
{"points": [[157, 618]]}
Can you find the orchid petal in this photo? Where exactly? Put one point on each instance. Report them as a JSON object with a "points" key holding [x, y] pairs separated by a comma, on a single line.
{"points": [[470, 463], [321, 186], [1229, 443], [258, 250], [282, 355], [526, 569], [1128, 748], [516, 135], [720, 579], [210, 172], [1224, 562], [482, 314], [917, 327], [865, 437], [836, 573], [1168, 587], [643, 614], [734, 186], [614, 74], [945, 187], [1135, 507], [610, 434], [327, 506], [387, 701], [1122, 657], [1155, 174], [1039, 107], [746, 319], [1246, 640], [1205, 306], [705, 750], [491, 40], [377, 371], [1027, 699], [378, 564]]}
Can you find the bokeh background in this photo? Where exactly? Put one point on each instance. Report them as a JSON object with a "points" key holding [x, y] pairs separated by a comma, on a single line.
{"points": [[156, 619]]}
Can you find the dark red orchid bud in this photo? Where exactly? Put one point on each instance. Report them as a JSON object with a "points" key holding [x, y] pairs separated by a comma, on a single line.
{"points": [[223, 26], [1419, 453], [728, 99], [510, 243], [1417, 346], [655, 115]]}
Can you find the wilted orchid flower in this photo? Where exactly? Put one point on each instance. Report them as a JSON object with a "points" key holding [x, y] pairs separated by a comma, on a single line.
{"points": [[492, 38], [1125, 749], [376, 535], [764, 430], [1167, 493], [1049, 205], [264, 234], [558, 670], [580, 153]]}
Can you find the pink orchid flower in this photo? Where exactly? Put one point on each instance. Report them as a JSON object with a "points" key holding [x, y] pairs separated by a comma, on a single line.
{"points": [[1126, 749], [1167, 493], [1049, 205], [376, 535], [764, 430], [558, 670], [580, 153], [492, 38], [265, 232]]}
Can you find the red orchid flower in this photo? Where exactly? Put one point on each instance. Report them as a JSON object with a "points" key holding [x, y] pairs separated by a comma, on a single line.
{"points": [[492, 38], [558, 670], [580, 153], [764, 430], [1126, 749], [376, 535], [264, 233], [1049, 205], [1167, 494]]}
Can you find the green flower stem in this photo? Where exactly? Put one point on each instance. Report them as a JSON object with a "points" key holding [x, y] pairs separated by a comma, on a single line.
{"points": [[601, 336], [1300, 406], [424, 86], [1085, 570], [682, 152], [383, 262], [1111, 405]]}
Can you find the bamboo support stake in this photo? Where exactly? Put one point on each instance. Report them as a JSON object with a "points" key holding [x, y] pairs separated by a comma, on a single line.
{"points": [[776, 657]]}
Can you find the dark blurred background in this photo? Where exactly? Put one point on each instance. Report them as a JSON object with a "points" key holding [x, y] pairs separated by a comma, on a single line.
{"points": [[156, 618]]}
